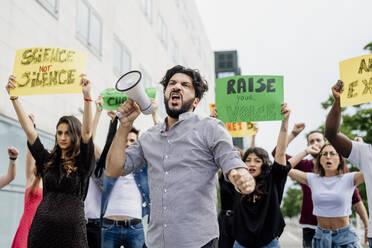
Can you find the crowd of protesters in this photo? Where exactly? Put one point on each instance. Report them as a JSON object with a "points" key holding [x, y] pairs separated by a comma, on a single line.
{"points": [[79, 195]]}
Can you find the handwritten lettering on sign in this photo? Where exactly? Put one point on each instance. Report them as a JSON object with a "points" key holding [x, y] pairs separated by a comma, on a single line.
{"points": [[46, 70], [249, 98], [356, 73], [113, 98], [239, 129]]}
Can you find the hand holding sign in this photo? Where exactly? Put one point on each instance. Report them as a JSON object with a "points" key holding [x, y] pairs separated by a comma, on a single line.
{"points": [[11, 83], [130, 111]]}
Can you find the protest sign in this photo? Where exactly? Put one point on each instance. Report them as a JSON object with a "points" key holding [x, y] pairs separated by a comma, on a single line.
{"points": [[113, 98], [249, 98], [356, 73], [46, 70], [239, 129]]}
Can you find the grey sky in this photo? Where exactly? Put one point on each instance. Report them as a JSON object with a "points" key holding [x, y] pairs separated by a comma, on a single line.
{"points": [[302, 40]]}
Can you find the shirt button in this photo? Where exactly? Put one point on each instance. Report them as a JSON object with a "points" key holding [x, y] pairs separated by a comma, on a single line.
{"points": [[165, 208], [165, 225], [166, 173], [165, 190], [166, 156]]}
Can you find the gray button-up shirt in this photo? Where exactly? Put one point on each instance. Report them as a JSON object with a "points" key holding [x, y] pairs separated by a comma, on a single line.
{"points": [[182, 164]]}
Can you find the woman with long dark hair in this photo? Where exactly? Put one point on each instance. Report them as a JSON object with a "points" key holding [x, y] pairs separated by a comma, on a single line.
{"points": [[258, 221], [59, 220], [331, 190]]}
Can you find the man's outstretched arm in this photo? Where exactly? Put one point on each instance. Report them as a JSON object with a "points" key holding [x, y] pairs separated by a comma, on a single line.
{"points": [[339, 141]]}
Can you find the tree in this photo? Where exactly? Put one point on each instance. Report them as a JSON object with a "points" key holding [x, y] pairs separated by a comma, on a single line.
{"points": [[368, 47], [292, 202]]}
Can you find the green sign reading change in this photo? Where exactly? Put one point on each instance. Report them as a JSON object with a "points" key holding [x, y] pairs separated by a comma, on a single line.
{"points": [[113, 98], [249, 98]]}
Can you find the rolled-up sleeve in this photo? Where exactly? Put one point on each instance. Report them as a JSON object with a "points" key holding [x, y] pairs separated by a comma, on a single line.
{"points": [[134, 158], [220, 143]]}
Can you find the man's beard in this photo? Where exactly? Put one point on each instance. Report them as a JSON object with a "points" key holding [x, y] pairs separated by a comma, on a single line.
{"points": [[185, 107]]}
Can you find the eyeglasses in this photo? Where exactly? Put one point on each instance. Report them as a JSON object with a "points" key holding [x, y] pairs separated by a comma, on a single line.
{"points": [[331, 154]]}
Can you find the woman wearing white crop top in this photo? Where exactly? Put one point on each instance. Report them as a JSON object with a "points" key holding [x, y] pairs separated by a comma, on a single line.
{"points": [[331, 190]]}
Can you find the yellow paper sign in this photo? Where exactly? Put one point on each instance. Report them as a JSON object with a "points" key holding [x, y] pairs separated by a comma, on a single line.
{"points": [[356, 73], [238, 129], [47, 70]]}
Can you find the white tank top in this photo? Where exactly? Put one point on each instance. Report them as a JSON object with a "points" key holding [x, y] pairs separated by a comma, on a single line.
{"points": [[125, 199], [92, 204], [332, 196]]}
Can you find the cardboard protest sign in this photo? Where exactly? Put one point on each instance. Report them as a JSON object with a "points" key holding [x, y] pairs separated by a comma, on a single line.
{"points": [[113, 98], [46, 70], [249, 98], [356, 73], [239, 129]]}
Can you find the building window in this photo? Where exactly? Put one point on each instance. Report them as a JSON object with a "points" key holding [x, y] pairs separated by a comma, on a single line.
{"points": [[89, 27], [122, 59], [175, 52], [147, 8], [163, 31], [50, 5], [225, 74]]}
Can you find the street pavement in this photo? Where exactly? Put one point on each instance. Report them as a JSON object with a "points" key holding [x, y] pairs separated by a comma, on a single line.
{"points": [[292, 235]]}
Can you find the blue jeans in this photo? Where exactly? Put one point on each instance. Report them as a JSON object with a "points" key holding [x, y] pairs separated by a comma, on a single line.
{"points": [[273, 244], [116, 236], [370, 243], [342, 237]]}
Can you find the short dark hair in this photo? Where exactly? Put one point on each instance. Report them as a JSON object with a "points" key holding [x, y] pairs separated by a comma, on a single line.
{"points": [[199, 83], [315, 131], [134, 130]]}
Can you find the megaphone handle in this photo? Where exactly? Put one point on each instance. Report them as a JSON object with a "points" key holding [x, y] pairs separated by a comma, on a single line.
{"points": [[119, 115]]}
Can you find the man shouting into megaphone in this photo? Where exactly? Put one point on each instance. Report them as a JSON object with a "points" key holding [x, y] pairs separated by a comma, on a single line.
{"points": [[183, 154]]}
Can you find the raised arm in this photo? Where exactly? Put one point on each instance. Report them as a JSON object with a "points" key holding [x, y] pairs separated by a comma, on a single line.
{"points": [[358, 178], [87, 127], [97, 115], [253, 138], [155, 113], [298, 157], [281, 146], [339, 141], [8, 177], [298, 176], [23, 119], [297, 129], [116, 155]]}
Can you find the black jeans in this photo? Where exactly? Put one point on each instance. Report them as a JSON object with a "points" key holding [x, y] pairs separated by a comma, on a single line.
{"points": [[94, 233], [211, 244], [307, 237]]}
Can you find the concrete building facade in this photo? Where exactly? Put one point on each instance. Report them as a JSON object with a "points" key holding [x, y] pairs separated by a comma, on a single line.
{"points": [[118, 36]]}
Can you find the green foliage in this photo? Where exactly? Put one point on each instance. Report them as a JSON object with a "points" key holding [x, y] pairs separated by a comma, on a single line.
{"points": [[292, 202], [368, 47]]}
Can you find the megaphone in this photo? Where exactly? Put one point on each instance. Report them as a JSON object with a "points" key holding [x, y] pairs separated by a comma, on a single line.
{"points": [[129, 83]]}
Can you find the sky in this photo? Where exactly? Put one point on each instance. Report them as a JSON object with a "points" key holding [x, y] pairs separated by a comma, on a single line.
{"points": [[302, 40]]}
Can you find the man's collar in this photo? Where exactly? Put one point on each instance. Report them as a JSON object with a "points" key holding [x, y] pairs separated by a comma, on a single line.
{"points": [[182, 117]]}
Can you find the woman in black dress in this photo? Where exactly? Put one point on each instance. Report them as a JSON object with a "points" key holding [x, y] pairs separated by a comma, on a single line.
{"points": [[59, 220]]}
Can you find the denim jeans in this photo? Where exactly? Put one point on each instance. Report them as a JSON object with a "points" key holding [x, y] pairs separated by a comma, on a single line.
{"points": [[116, 236], [337, 238], [273, 244], [370, 243]]}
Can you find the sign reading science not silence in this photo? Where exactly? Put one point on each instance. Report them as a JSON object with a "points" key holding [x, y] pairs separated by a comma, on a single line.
{"points": [[249, 98], [46, 70]]}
